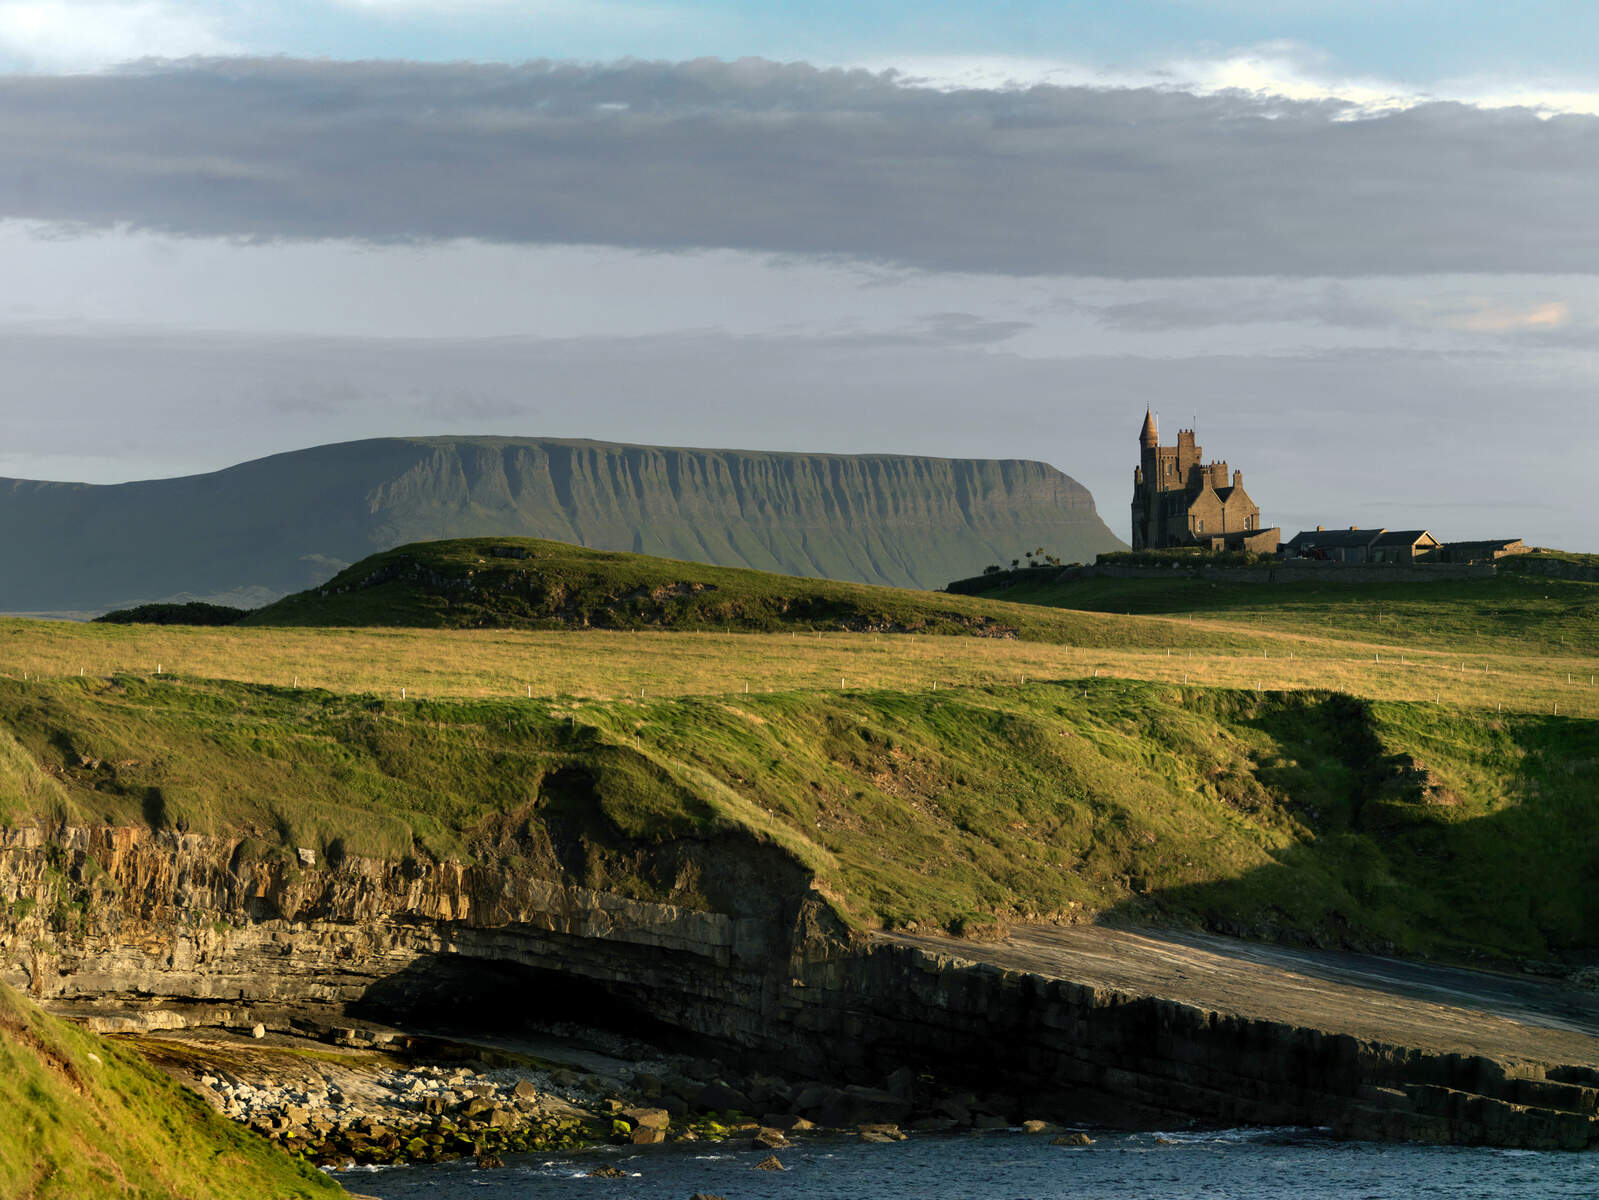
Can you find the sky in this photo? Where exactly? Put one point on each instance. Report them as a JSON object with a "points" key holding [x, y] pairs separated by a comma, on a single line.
{"points": [[1352, 243]]}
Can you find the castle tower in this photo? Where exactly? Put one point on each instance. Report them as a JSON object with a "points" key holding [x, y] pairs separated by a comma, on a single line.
{"points": [[1145, 481], [1181, 500]]}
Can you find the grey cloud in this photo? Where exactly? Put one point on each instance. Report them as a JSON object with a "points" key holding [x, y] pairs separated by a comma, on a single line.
{"points": [[1330, 304], [789, 159], [932, 330]]}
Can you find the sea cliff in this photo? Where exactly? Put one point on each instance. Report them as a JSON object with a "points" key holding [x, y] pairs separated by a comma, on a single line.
{"points": [[154, 928]]}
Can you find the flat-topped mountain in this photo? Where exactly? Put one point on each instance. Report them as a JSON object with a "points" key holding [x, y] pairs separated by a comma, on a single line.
{"points": [[251, 533]]}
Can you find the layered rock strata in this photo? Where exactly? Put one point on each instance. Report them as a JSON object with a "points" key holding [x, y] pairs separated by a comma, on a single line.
{"points": [[131, 917]]}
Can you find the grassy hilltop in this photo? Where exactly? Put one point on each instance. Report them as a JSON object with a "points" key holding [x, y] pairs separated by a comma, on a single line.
{"points": [[1310, 774], [86, 1118]]}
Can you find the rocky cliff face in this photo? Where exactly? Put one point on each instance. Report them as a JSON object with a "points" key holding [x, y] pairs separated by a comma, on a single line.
{"points": [[265, 528], [126, 917]]}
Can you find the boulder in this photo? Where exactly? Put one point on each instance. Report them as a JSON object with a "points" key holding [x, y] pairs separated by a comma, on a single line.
{"points": [[647, 1085], [767, 1138], [648, 1118], [880, 1133], [648, 1137], [787, 1123], [1075, 1139], [721, 1098], [902, 1083], [524, 1090], [1040, 1127], [769, 1163], [607, 1172], [862, 1106], [954, 1110], [812, 1096]]}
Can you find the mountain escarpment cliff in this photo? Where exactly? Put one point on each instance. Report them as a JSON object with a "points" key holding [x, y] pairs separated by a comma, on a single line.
{"points": [[262, 529]]}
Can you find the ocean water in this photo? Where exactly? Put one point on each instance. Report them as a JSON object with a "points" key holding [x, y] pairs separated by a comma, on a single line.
{"points": [[1250, 1164]]}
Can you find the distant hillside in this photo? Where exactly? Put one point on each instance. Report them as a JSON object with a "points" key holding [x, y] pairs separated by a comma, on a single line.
{"points": [[253, 532], [522, 583]]}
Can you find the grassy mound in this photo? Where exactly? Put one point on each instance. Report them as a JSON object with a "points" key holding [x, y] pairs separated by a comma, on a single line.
{"points": [[1306, 816], [87, 1118], [521, 583]]}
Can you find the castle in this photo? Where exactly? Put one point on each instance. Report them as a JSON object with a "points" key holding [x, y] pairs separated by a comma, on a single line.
{"points": [[1181, 500]]}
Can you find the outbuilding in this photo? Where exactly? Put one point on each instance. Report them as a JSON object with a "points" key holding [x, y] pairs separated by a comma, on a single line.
{"points": [[1352, 545], [1403, 546]]}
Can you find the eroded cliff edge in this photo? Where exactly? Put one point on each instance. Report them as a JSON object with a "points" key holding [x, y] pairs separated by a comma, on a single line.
{"points": [[162, 926]]}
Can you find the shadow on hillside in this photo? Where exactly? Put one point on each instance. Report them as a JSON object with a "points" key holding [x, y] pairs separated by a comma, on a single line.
{"points": [[1391, 861]]}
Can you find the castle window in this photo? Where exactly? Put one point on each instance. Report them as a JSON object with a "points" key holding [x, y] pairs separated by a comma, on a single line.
{"points": [[1199, 524]]}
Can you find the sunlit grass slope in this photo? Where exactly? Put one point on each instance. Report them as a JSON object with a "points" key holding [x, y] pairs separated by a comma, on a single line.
{"points": [[1510, 612], [1315, 816], [84, 1119]]}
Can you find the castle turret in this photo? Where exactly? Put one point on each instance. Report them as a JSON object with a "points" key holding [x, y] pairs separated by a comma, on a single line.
{"points": [[1148, 438]]}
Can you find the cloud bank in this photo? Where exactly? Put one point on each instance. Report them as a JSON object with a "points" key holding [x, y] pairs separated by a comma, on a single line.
{"points": [[791, 159]]}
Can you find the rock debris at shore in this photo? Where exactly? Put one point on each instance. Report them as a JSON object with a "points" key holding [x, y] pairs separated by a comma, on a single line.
{"points": [[339, 1105]]}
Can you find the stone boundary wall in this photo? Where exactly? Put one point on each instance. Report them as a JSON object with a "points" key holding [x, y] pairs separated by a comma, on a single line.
{"points": [[1293, 570]]}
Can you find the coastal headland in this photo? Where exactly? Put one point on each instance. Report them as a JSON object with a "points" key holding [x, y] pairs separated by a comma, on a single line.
{"points": [[925, 897]]}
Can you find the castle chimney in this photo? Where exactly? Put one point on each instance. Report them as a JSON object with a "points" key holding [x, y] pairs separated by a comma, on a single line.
{"points": [[1238, 479]]}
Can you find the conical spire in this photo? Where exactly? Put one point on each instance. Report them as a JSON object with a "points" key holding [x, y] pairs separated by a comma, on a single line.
{"points": [[1147, 435]]}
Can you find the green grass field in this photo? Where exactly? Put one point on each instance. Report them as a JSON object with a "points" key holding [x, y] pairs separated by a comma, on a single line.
{"points": [[85, 1117], [1408, 768], [1429, 828], [1508, 613]]}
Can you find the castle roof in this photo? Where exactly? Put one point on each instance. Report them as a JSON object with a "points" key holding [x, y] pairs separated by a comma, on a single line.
{"points": [[1147, 435]]}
